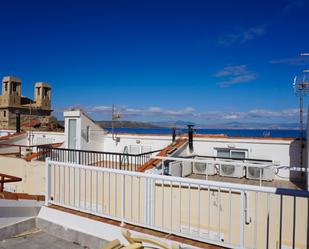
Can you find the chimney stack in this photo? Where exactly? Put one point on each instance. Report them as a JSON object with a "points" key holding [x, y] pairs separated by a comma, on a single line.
{"points": [[174, 134], [190, 136]]}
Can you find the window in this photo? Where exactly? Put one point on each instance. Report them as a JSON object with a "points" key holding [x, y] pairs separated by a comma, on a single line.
{"points": [[223, 153], [238, 154], [14, 87], [38, 91], [45, 90], [72, 134], [4, 113], [6, 86], [231, 153]]}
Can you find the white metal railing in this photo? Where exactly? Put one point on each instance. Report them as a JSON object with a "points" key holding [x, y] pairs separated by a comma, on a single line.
{"points": [[225, 214]]}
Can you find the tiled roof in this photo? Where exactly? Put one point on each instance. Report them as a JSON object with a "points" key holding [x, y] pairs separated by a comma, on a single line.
{"points": [[21, 196], [32, 123]]}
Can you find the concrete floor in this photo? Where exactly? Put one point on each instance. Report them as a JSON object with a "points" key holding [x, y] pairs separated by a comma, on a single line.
{"points": [[37, 240]]}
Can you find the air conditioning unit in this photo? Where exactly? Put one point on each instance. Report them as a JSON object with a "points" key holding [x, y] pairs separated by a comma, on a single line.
{"points": [[257, 173], [204, 168], [186, 169], [231, 170], [175, 169], [134, 149]]}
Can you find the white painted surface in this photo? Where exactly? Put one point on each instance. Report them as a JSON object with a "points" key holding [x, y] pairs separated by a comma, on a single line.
{"points": [[47, 137], [286, 153], [156, 142], [96, 133], [35, 138]]}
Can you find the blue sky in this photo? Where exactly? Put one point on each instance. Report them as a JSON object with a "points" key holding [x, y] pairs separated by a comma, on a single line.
{"points": [[201, 61]]}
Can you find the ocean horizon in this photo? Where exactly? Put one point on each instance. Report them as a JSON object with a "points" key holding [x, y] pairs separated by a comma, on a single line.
{"points": [[284, 133]]}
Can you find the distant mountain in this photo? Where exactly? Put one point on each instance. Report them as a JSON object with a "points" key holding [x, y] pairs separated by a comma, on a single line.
{"points": [[232, 125], [169, 124], [183, 124], [240, 125]]}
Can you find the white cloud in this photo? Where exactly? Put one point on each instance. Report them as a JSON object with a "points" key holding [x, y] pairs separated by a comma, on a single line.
{"points": [[231, 75], [294, 4], [240, 36], [189, 112], [151, 111], [296, 61], [243, 36]]}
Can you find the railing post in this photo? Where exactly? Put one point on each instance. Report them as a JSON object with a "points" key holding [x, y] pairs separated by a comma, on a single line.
{"points": [[241, 227], [123, 199], [47, 180]]}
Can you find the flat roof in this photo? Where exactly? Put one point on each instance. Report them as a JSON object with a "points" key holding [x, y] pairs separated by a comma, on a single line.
{"points": [[37, 239]]}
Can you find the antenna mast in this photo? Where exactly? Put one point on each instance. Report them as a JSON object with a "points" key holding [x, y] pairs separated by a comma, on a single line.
{"points": [[115, 117], [301, 87]]}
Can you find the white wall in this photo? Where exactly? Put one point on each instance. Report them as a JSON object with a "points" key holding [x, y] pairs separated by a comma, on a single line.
{"points": [[156, 142], [284, 152], [96, 135], [96, 138], [47, 137]]}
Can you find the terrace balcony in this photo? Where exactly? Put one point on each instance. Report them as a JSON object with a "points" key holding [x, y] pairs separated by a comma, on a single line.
{"points": [[211, 211]]}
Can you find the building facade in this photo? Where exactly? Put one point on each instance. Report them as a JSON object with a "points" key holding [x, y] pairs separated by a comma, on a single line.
{"points": [[31, 111]]}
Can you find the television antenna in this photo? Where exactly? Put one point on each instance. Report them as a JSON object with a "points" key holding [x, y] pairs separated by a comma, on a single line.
{"points": [[301, 88]]}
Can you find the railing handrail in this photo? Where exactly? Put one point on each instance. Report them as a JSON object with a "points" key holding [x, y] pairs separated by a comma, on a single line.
{"points": [[231, 158], [101, 152], [232, 163], [198, 182]]}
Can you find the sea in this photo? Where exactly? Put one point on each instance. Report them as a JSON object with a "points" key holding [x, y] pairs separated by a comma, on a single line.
{"points": [[229, 132]]}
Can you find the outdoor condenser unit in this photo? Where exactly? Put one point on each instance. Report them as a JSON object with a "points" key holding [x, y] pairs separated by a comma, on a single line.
{"points": [[203, 168], [186, 168], [231, 170], [257, 173], [175, 169]]}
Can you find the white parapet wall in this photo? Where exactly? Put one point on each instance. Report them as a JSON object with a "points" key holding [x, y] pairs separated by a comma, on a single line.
{"points": [[45, 137], [136, 143]]}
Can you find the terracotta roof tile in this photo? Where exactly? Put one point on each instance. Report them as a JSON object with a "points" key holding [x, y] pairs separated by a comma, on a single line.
{"points": [[154, 162]]}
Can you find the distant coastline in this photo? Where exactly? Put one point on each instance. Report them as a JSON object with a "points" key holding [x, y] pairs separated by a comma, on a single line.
{"points": [[183, 124], [277, 133]]}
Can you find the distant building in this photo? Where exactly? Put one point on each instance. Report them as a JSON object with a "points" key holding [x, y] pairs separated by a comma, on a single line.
{"points": [[35, 111]]}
